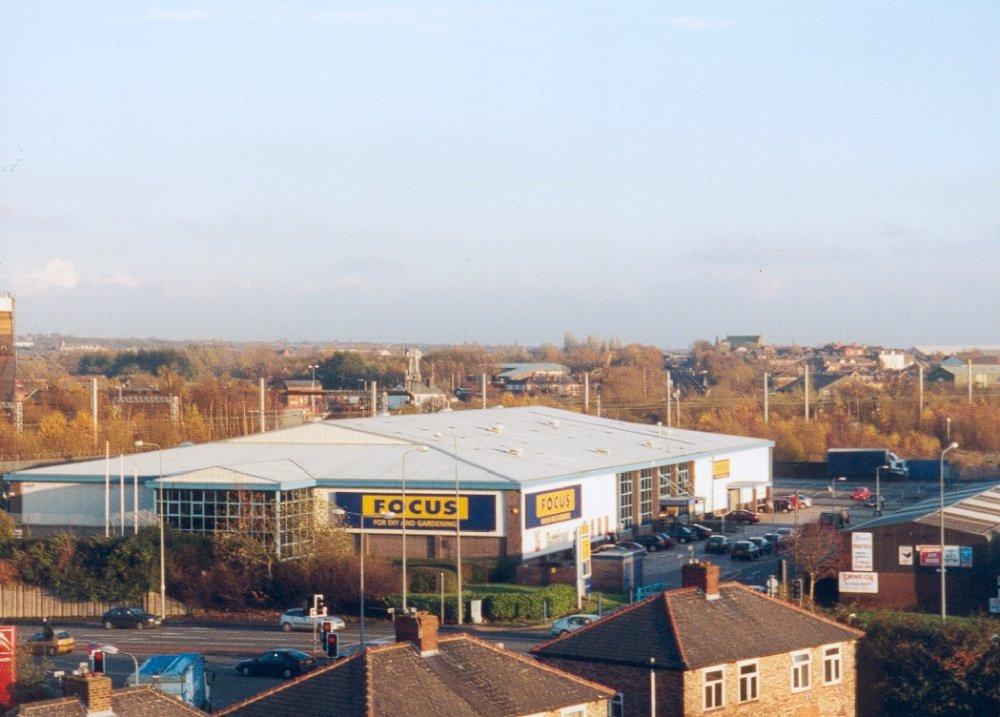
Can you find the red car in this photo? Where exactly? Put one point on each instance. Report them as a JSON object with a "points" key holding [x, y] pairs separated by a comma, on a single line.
{"points": [[861, 493], [742, 516]]}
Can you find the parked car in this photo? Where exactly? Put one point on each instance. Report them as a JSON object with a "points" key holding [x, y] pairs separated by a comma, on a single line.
{"points": [[298, 619], [744, 550], [765, 546], [680, 533], [572, 622], [785, 532], [700, 531], [717, 544], [837, 519], [60, 643], [129, 618], [742, 516], [804, 500], [780, 542], [285, 662], [861, 493], [649, 542], [631, 545], [666, 542], [781, 505]]}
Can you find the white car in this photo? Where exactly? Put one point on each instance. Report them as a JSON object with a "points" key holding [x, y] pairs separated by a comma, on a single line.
{"points": [[572, 622], [805, 500], [298, 619]]}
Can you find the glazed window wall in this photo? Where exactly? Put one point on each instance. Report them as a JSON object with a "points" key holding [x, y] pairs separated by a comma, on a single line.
{"points": [[624, 501], [646, 497]]}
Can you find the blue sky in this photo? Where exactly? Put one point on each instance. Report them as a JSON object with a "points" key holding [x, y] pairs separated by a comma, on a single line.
{"points": [[502, 172]]}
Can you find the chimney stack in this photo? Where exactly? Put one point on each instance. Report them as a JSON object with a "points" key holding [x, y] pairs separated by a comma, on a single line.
{"points": [[701, 575], [93, 690], [420, 628]]}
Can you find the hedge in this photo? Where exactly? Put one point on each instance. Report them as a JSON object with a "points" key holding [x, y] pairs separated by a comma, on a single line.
{"points": [[501, 603]]}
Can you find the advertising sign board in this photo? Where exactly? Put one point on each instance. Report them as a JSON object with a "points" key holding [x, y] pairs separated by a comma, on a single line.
{"points": [[858, 582], [582, 564], [552, 506], [477, 513], [8, 664], [906, 555], [995, 606], [955, 556], [720, 469], [861, 552]]}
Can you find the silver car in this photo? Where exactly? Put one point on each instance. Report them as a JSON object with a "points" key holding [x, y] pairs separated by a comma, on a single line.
{"points": [[572, 622], [298, 619]]}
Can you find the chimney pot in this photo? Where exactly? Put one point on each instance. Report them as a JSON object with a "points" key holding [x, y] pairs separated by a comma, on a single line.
{"points": [[420, 628], [702, 575]]}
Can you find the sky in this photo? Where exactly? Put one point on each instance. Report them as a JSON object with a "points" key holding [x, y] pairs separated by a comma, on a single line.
{"points": [[502, 172]]}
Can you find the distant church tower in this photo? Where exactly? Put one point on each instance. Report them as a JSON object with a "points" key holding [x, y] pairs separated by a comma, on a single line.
{"points": [[413, 357]]}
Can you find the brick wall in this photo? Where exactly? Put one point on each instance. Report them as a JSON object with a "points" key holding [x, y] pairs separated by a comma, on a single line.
{"points": [[776, 698], [632, 682]]}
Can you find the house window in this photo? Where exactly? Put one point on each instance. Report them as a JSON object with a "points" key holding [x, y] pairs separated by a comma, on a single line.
{"points": [[616, 706], [749, 680], [801, 662], [831, 665], [714, 694], [624, 501], [577, 711], [646, 497]]}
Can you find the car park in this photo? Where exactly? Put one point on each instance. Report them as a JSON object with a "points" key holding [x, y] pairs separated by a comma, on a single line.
{"points": [[742, 516], [572, 622], [649, 542], [780, 505], [128, 618], [765, 546], [59, 643], [666, 542], [744, 550], [700, 531], [285, 662], [785, 532], [861, 493], [717, 544], [680, 533], [631, 545], [299, 619], [780, 542]]}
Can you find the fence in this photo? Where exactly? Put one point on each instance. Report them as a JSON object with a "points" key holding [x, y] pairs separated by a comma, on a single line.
{"points": [[18, 601]]}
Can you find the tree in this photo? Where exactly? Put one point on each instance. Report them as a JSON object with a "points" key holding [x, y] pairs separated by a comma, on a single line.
{"points": [[816, 551]]}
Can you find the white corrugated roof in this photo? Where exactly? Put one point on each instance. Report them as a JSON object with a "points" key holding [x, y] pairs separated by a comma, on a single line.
{"points": [[506, 446]]}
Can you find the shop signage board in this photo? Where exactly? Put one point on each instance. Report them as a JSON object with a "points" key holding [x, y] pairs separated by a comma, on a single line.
{"points": [[424, 512], [906, 555], [583, 570], [8, 664], [858, 582], [955, 556], [720, 469], [861, 552], [552, 506]]}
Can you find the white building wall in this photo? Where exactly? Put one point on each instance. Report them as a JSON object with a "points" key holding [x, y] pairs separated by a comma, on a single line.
{"points": [[598, 510], [753, 465], [82, 504]]}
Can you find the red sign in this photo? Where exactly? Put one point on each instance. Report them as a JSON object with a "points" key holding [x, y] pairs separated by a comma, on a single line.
{"points": [[8, 664], [930, 556]]}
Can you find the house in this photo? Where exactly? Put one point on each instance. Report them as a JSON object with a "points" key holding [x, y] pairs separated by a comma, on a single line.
{"points": [[300, 395], [91, 695], [821, 384], [902, 555], [955, 371], [714, 648], [424, 675], [530, 378], [744, 343]]}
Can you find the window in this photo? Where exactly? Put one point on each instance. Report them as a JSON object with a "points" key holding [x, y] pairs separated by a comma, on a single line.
{"points": [[624, 501], [668, 488], [646, 497], [616, 706], [749, 680], [714, 694], [831, 665], [801, 662], [577, 711], [684, 479]]}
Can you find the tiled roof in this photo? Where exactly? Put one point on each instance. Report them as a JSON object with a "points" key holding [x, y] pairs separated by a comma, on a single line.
{"points": [[142, 701], [465, 678], [683, 630]]}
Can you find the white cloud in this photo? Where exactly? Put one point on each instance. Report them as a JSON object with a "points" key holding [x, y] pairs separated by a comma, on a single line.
{"points": [[159, 14], [116, 279], [693, 22], [56, 274]]}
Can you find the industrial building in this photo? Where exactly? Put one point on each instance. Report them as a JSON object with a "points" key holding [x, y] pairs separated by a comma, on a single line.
{"points": [[894, 560], [515, 482]]}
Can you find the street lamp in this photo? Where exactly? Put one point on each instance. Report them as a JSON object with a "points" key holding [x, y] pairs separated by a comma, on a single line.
{"points": [[159, 515], [361, 565], [944, 570], [458, 532], [878, 488], [312, 387], [418, 449], [947, 429], [112, 650]]}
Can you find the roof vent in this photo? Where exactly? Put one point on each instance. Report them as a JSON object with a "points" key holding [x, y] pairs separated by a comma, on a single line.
{"points": [[649, 444], [513, 451], [497, 428], [604, 450], [554, 422]]}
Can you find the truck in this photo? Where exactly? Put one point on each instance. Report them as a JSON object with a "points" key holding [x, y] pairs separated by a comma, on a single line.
{"points": [[182, 675], [862, 462]]}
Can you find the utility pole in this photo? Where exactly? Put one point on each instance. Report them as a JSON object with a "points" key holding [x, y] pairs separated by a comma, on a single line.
{"points": [[767, 407], [374, 398], [920, 378], [806, 380], [586, 392], [669, 389], [93, 408], [970, 380], [598, 405], [262, 407], [484, 389]]}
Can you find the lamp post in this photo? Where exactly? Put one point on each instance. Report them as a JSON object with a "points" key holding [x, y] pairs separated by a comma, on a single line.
{"points": [[460, 613], [944, 570], [418, 449], [112, 650], [361, 566], [312, 387], [947, 429], [878, 488], [159, 515]]}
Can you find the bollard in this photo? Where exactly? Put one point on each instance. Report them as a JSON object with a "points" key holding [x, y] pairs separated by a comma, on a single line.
{"points": [[545, 611]]}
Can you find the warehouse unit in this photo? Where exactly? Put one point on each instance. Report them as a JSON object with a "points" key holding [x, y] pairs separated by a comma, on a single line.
{"points": [[513, 482]]}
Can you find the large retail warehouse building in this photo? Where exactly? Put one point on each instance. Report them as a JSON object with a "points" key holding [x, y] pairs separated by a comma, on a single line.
{"points": [[527, 478]]}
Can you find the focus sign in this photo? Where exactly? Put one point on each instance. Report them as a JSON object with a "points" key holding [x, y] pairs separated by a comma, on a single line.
{"points": [[475, 513], [552, 506]]}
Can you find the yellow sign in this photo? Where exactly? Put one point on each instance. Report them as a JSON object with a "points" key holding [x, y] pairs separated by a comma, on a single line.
{"points": [[418, 507], [555, 502], [720, 469], [584, 541]]}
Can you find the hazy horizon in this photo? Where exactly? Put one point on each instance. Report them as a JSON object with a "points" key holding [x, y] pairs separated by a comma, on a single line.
{"points": [[503, 173]]}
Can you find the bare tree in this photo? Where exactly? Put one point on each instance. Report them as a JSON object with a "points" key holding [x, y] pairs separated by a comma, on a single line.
{"points": [[816, 551]]}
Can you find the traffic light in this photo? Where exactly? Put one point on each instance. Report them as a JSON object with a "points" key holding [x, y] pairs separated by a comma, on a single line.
{"points": [[331, 643], [797, 589], [327, 626], [97, 662]]}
